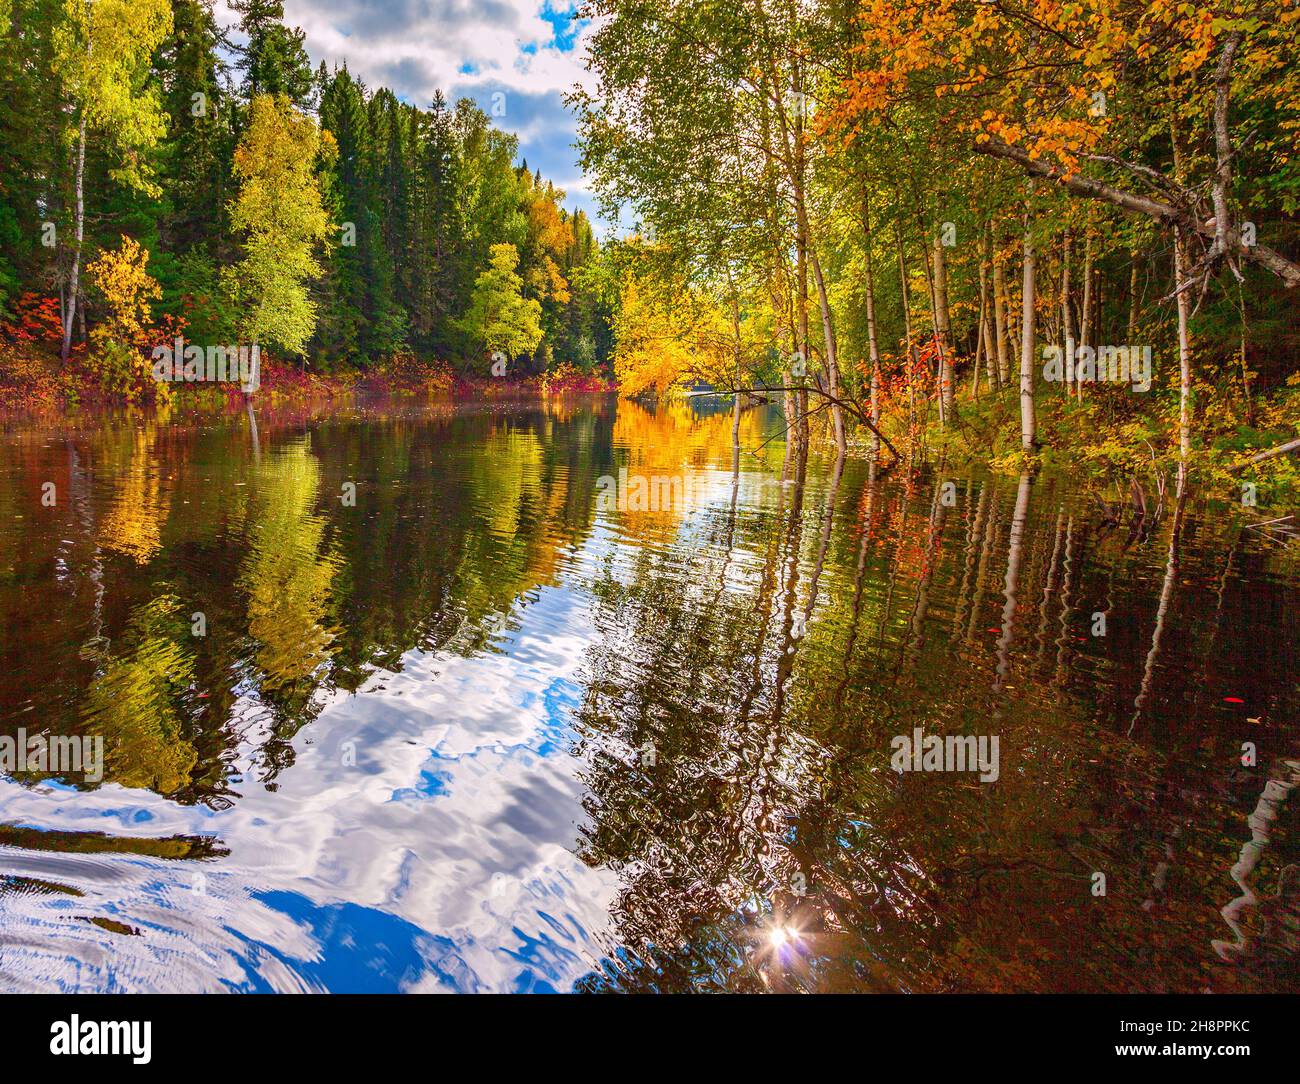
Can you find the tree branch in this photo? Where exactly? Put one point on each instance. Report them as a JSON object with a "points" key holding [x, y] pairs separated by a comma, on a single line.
{"points": [[832, 400], [1166, 213]]}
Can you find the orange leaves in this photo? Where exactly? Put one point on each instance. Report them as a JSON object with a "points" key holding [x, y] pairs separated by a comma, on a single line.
{"points": [[550, 236], [36, 320], [1005, 131], [1201, 37], [1036, 75]]}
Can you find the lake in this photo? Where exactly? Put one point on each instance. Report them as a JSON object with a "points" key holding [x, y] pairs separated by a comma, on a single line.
{"points": [[562, 697]]}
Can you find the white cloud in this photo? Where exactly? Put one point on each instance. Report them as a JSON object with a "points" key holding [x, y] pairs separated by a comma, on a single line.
{"points": [[465, 48], [448, 836]]}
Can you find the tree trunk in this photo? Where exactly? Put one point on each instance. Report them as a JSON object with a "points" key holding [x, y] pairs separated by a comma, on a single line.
{"points": [[832, 355], [74, 281], [735, 401], [1067, 320], [986, 337], [1028, 422], [1133, 308], [1086, 321], [792, 160], [1184, 302], [943, 332], [981, 352], [934, 326], [986, 306], [1085, 314], [910, 364], [873, 345], [1245, 367], [1184, 360], [797, 175], [1000, 320]]}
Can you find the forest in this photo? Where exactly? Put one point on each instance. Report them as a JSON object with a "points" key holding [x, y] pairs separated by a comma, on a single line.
{"points": [[550, 609], [162, 174], [1015, 233], [1018, 234]]}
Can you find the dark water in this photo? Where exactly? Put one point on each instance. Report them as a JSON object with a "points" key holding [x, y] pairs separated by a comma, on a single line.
{"points": [[474, 732]]}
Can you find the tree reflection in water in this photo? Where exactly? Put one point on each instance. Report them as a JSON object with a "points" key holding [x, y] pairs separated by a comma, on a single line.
{"points": [[665, 732]]}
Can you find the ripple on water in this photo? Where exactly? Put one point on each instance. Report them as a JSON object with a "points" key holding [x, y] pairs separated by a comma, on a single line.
{"points": [[482, 731]]}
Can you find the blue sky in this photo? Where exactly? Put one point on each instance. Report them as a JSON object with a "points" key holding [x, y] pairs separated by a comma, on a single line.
{"points": [[530, 51]]}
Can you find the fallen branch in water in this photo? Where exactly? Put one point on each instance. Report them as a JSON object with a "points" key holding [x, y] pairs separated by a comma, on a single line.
{"points": [[833, 400], [1280, 530]]}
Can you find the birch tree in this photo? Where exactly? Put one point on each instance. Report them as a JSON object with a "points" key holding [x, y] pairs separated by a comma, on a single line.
{"points": [[102, 50]]}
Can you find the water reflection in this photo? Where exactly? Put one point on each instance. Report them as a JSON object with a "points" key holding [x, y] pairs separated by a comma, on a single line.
{"points": [[477, 730]]}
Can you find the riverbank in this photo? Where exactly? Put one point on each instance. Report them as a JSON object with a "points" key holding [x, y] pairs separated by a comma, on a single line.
{"points": [[34, 381], [1115, 443], [1105, 438]]}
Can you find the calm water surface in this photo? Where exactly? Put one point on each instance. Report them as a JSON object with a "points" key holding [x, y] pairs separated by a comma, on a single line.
{"points": [[477, 732]]}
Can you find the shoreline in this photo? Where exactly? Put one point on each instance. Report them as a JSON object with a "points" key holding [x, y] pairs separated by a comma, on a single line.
{"points": [[32, 388]]}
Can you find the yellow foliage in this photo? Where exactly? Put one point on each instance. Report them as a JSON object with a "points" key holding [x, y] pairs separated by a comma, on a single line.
{"points": [[122, 276], [100, 52], [279, 206], [1045, 78], [662, 341]]}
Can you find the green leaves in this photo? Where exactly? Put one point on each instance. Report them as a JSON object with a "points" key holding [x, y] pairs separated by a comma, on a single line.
{"points": [[499, 316], [279, 206], [101, 53]]}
